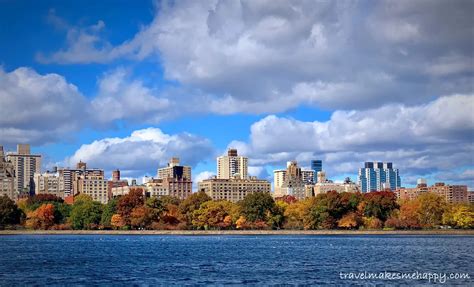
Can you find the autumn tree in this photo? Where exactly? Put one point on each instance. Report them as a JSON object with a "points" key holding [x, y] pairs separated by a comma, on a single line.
{"points": [[9, 212], [192, 203], [409, 214], [380, 204], [328, 208], [431, 209], [351, 220], [215, 215], [117, 221], [41, 218], [128, 202], [459, 216], [140, 217]]}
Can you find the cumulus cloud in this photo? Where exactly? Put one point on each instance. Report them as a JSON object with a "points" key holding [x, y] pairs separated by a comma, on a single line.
{"points": [[142, 152], [122, 98], [38, 108], [271, 56], [420, 139]]}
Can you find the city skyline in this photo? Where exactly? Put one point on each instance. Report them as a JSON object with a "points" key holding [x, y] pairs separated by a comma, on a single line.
{"points": [[130, 95]]}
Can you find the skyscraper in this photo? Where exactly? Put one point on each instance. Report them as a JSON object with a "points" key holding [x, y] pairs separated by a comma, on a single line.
{"points": [[378, 176], [231, 165], [25, 165], [316, 166]]}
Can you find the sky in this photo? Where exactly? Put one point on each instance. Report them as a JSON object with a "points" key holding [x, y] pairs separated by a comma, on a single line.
{"points": [[129, 84]]}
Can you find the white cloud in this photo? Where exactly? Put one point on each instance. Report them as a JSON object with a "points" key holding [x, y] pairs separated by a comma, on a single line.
{"points": [[142, 152], [122, 98], [421, 139], [271, 56], [38, 108]]}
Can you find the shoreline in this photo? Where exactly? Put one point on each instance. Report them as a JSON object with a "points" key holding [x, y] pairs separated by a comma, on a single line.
{"points": [[456, 232]]}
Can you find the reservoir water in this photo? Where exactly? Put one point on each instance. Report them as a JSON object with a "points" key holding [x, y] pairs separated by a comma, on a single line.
{"points": [[238, 260]]}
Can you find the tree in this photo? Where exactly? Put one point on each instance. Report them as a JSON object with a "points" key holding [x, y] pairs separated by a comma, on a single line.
{"points": [[192, 203], [380, 204], [297, 214], [9, 212], [42, 217], [109, 210], [128, 202], [431, 209], [257, 206], [350, 221], [241, 223], [156, 208], [86, 213], [409, 214], [140, 217], [215, 215], [459, 216], [117, 221]]}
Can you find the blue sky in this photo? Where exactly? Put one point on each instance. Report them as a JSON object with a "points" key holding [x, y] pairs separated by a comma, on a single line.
{"points": [[128, 85]]}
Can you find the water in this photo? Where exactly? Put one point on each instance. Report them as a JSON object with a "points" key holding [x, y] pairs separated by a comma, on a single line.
{"points": [[218, 260]]}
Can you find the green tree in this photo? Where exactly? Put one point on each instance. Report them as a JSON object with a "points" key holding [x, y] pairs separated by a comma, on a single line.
{"points": [[257, 206], [86, 213], [109, 210], [192, 203], [156, 208], [9, 212]]}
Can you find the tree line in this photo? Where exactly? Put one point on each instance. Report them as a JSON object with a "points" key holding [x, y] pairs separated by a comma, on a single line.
{"points": [[332, 210]]}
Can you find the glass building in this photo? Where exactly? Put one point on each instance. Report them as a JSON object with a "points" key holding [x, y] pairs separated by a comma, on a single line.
{"points": [[316, 166], [375, 176]]}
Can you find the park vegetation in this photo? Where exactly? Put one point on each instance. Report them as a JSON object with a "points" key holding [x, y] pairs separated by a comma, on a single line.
{"points": [[332, 210]]}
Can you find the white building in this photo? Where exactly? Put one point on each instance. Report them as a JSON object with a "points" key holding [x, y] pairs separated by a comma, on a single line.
{"points": [[49, 183], [232, 165]]}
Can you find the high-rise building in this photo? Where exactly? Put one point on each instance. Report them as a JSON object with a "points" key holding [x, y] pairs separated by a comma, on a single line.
{"points": [[49, 183], [83, 180], [71, 176], [232, 165], [7, 177], [316, 166], [376, 176], [291, 181], [233, 189], [175, 179], [174, 170], [93, 184], [25, 165]]}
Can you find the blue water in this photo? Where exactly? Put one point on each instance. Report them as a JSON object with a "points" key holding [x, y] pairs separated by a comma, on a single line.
{"points": [[218, 260]]}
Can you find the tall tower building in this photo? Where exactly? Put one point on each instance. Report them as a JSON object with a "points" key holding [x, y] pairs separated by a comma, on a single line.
{"points": [[25, 165], [316, 166], [7, 177], [378, 176], [232, 165]]}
